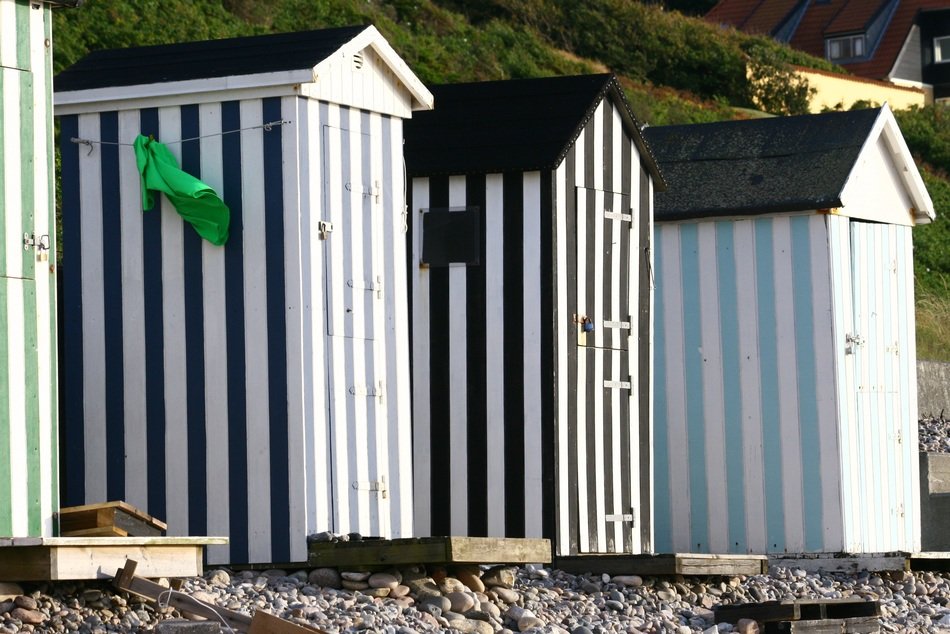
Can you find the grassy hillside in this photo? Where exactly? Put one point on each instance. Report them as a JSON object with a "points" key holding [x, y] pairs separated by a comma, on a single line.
{"points": [[675, 69]]}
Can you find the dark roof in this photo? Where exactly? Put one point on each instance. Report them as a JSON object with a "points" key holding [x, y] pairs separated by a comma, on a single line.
{"points": [[739, 168], [511, 125], [205, 59]]}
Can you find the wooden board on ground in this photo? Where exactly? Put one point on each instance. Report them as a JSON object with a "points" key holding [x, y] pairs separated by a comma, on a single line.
{"points": [[846, 563], [430, 550], [858, 625], [933, 561], [72, 558], [125, 519], [802, 609], [687, 564]]}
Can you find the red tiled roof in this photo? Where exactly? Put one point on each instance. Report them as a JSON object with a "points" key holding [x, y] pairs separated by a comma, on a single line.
{"points": [[822, 19]]}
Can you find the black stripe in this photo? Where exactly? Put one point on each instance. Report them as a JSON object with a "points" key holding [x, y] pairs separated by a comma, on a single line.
{"points": [[72, 423], [571, 416], [607, 151], [643, 361], [276, 334], [628, 258], [513, 360], [475, 323], [592, 259], [590, 146], [626, 314], [194, 339], [439, 380], [112, 308], [154, 339], [549, 346], [611, 340], [234, 309]]}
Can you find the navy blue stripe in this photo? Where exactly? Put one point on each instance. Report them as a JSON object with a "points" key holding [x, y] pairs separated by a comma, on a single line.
{"points": [[513, 357], [475, 337], [549, 343], [194, 340], [276, 334], [440, 384], [234, 308], [646, 370], [570, 416], [112, 299], [154, 340], [72, 452]]}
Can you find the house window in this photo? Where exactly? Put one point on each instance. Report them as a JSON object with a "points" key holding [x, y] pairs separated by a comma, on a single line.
{"points": [[942, 49], [451, 236], [848, 47]]}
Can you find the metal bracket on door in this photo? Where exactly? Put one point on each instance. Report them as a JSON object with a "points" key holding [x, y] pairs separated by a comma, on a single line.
{"points": [[376, 286], [616, 215], [618, 385], [623, 325], [376, 391], [372, 191], [851, 341], [40, 243], [630, 518], [377, 486], [324, 228]]}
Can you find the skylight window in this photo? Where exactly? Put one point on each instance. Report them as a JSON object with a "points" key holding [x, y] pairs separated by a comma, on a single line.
{"points": [[942, 49], [848, 47]]}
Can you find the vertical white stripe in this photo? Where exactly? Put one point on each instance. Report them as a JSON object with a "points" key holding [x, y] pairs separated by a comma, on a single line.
{"points": [[675, 390], [751, 386], [173, 332], [255, 335], [215, 344], [8, 42], [494, 352], [822, 313], [563, 332], [458, 371], [598, 157], [533, 343], [13, 201], [133, 315], [595, 313], [712, 381], [293, 287], [580, 386], [636, 439], [422, 459], [16, 363], [910, 414], [788, 388], [93, 343]]}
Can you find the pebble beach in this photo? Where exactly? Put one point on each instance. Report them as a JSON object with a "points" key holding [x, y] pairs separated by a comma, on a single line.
{"points": [[487, 600]]}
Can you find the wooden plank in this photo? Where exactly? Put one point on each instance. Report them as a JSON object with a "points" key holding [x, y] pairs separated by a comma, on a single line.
{"points": [[101, 531], [851, 607], [763, 612], [26, 563], [116, 541], [665, 564], [849, 564], [264, 623], [430, 550], [118, 513], [931, 561], [491, 550], [859, 625]]}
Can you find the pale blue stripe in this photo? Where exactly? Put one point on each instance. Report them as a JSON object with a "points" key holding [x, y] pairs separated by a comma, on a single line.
{"points": [[693, 363], [875, 418], [891, 422], [662, 520], [908, 378], [768, 367], [803, 300], [838, 261], [731, 386]]}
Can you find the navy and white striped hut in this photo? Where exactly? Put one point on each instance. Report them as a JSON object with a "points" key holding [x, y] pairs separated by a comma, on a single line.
{"points": [[530, 221], [786, 399], [258, 390]]}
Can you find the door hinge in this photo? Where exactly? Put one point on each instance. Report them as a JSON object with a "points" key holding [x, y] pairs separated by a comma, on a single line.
{"points": [[851, 341], [372, 191], [375, 391], [376, 286], [623, 325], [618, 385], [616, 215], [378, 486], [626, 518]]}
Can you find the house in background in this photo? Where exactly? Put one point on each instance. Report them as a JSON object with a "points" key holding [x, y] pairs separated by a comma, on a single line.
{"points": [[904, 42], [530, 219], [257, 390], [785, 391]]}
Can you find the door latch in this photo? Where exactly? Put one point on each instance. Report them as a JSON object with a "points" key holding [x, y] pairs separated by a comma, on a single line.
{"points": [[374, 486], [40, 243], [324, 227], [851, 341]]}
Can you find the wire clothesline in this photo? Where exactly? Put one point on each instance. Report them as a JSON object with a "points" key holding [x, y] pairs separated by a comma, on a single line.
{"points": [[267, 127]]}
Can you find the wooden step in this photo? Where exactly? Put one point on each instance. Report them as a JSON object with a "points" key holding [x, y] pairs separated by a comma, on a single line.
{"points": [[115, 519], [430, 550], [687, 564], [800, 610]]}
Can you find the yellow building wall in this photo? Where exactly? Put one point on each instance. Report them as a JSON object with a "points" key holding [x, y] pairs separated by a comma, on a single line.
{"points": [[838, 92]]}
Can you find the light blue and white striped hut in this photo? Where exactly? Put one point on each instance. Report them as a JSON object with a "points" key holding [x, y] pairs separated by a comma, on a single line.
{"points": [[786, 403], [258, 390]]}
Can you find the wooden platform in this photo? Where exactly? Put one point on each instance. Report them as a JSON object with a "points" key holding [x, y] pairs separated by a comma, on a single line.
{"points": [[62, 558], [430, 550], [844, 562], [108, 519], [816, 616], [687, 564], [933, 561]]}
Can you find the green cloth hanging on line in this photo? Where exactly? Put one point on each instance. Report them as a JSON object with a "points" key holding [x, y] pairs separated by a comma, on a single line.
{"points": [[195, 201]]}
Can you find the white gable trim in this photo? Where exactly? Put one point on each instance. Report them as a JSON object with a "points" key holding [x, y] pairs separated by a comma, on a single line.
{"points": [[886, 130], [240, 86]]}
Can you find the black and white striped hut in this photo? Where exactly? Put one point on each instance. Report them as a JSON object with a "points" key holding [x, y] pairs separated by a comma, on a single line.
{"points": [[258, 390], [530, 221]]}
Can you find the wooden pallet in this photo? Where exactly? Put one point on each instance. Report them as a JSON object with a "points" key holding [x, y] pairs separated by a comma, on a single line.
{"points": [[687, 564], [430, 550], [108, 519], [933, 561], [62, 558], [843, 562], [807, 615]]}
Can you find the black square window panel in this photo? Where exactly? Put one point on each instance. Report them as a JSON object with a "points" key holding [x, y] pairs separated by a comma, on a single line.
{"points": [[451, 236]]}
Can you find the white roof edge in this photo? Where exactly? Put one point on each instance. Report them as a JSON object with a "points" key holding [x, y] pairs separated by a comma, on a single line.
{"points": [[189, 87], [370, 36], [886, 124]]}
